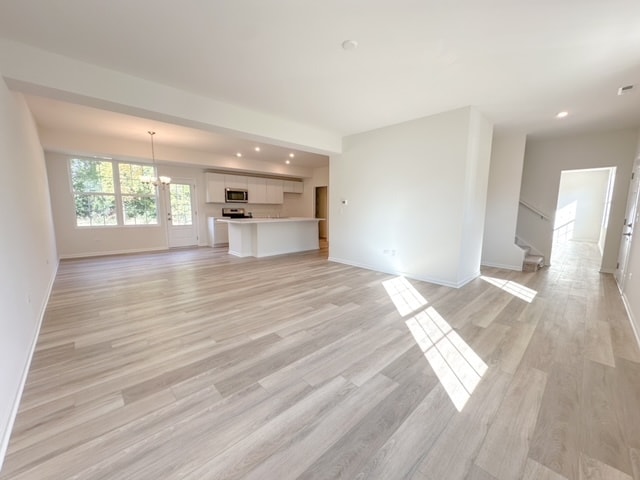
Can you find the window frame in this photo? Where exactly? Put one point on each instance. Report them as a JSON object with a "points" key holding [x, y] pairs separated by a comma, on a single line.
{"points": [[117, 194]]}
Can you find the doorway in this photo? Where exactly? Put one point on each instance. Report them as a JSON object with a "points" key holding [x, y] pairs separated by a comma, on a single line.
{"points": [[182, 228], [582, 211], [322, 211]]}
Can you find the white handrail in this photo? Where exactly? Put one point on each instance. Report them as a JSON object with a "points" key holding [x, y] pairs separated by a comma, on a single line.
{"points": [[542, 215]]}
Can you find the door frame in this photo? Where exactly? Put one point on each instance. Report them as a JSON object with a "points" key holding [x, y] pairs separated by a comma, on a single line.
{"points": [[316, 214], [166, 201], [604, 220], [629, 224]]}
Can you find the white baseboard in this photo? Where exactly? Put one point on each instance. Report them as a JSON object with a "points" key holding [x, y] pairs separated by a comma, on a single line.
{"points": [[632, 319], [111, 252], [517, 268], [421, 278], [4, 442]]}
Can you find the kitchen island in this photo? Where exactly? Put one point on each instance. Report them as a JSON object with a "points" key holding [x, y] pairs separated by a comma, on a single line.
{"points": [[263, 237]]}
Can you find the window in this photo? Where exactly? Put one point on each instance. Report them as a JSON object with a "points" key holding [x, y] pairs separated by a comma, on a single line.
{"points": [[138, 199], [109, 193], [94, 193]]}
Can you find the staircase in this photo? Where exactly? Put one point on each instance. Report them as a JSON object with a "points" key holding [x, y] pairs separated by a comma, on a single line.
{"points": [[532, 261]]}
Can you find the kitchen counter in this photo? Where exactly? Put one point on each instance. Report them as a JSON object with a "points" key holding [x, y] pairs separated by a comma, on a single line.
{"points": [[263, 237]]}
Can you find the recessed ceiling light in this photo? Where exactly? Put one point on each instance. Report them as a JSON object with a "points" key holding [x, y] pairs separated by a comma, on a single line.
{"points": [[257, 149], [238, 154], [287, 162], [562, 114], [291, 155], [349, 45]]}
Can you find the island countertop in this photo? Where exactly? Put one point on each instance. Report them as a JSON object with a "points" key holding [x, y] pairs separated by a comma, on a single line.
{"points": [[267, 220], [262, 237]]}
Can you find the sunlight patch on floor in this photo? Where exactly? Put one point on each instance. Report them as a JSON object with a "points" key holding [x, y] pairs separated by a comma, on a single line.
{"points": [[514, 288], [404, 295], [456, 365]]}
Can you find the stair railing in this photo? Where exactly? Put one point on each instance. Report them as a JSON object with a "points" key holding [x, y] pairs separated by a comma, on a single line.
{"points": [[538, 212]]}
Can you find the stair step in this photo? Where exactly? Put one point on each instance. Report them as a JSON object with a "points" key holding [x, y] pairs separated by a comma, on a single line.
{"points": [[532, 263]]}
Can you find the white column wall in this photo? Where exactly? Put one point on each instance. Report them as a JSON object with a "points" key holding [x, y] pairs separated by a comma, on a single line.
{"points": [[475, 190], [28, 257], [505, 175], [398, 198]]}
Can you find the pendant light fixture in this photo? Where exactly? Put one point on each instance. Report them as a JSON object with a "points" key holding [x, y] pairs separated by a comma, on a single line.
{"points": [[155, 181]]}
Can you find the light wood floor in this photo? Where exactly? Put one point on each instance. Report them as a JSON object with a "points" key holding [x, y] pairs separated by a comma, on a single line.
{"points": [[195, 365]]}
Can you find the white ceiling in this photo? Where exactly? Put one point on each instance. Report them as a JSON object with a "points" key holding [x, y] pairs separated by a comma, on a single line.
{"points": [[518, 61], [57, 115]]}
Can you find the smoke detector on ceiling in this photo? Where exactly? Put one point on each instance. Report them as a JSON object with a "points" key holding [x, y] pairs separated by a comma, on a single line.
{"points": [[626, 89]]}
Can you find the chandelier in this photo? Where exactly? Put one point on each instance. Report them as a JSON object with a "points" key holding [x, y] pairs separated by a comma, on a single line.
{"points": [[153, 180]]}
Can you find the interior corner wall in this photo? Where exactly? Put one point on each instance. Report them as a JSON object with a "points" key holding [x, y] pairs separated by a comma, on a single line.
{"points": [[305, 203], [475, 191], [397, 199], [505, 175], [545, 159], [28, 257], [319, 178]]}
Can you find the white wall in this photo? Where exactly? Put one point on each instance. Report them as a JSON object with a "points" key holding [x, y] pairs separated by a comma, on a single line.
{"points": [[544, 160], [28, 258], [631, 293], [407, 189], [475, 190], [587, 191], [297, 205], [505, 175]]}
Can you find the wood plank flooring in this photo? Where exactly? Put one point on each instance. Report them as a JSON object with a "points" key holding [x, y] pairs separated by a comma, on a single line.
{"points": [[193, 364]]}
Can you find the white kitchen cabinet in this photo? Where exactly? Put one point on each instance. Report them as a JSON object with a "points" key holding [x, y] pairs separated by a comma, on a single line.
{"points": [[257, 188], [215, 187], [275, 193], [235, 181], [290, 186], [261, 190], [218, 232]]}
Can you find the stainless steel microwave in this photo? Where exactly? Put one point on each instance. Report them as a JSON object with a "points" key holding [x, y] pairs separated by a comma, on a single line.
{"points": [[236, 195]]}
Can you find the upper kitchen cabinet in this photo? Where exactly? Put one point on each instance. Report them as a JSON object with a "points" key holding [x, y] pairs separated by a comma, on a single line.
{"points": [[275, 193], [235, 181], [215, 187], [257, 188], [293, 187], [260, 190]]}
